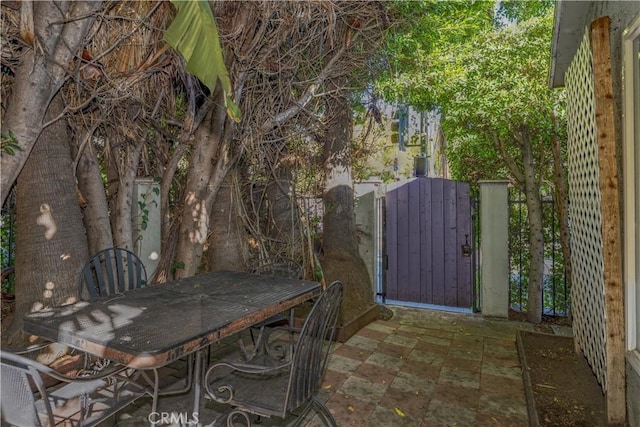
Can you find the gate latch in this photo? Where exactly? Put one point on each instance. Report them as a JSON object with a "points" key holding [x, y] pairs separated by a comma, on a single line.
{"points": [[466, 248]]}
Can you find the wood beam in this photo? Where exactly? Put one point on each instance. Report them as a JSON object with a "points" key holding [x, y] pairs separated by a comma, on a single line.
{"points": [[611, 224]]}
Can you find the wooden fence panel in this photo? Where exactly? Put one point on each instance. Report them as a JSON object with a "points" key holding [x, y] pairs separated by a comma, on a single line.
{"points": [[428, 222]]}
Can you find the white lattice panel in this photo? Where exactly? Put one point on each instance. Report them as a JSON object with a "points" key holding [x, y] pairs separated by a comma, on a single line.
{"points": [[587, 290]]}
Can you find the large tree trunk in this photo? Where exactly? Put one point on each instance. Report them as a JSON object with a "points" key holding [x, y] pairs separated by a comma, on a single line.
{"points": [[561, 205], [92, 197], [536, 234], [198, 194], [170, 168], [60, 29], [527, 180], [122, 192], [52, 247], [341, 259], [227, 249], [284, 216]]}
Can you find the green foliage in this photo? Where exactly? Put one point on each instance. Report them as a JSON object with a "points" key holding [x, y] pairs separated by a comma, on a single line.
{"points": [[180, 265], [473, 157], [148, 201], [144, 220], [488, 78], [496, 84], [520, 11], [426, 30], [318, 274], [484, 79], [181, 105], [7, 244], [9, 143], [194, 34]]}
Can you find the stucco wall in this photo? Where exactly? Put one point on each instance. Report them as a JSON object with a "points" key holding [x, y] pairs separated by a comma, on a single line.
{"points": [[365, 222]]}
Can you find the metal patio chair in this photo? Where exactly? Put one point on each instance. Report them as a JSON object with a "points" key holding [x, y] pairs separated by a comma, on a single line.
{"points": [[108, 272], [116, 270], [27, 401], [285, 388], [276, 267], [111, 271]]}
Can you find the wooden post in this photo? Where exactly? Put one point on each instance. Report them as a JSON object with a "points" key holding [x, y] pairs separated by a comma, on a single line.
{"points": [[611, 235]]}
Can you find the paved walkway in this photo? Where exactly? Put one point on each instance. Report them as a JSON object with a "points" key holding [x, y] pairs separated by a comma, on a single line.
{"points": [[420, 368], [428, 368]]}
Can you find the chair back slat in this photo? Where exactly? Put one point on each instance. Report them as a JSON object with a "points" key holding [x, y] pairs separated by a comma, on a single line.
{"points": [[312, 349], [119, 270], [112, 274], [278, 267], [110, 271]]}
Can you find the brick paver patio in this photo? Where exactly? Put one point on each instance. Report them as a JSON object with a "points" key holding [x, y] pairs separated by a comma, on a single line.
{"points": [[420, 368]]}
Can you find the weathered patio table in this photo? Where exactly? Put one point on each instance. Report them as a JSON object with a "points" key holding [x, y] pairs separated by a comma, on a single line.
{"points": [[151, 327]]}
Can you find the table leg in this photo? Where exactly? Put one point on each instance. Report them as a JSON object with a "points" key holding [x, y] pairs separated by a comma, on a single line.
{"points": [[197, 382], [156, 390]]}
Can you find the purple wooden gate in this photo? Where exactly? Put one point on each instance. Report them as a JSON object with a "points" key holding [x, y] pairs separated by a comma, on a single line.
{"points": [[428, 243]]}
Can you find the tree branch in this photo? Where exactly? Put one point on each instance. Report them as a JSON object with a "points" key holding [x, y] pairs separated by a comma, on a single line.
{"points": [[306, 96], [508, 159]]}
